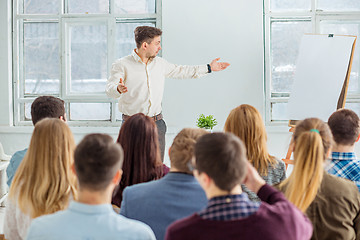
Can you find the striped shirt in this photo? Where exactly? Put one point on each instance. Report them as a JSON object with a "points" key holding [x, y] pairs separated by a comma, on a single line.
{"points": [[345, 165], [229, 207]]}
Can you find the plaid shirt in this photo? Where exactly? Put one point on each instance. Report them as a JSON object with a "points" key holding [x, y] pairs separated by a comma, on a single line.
{"points": [[345, 165], [229, 207]]}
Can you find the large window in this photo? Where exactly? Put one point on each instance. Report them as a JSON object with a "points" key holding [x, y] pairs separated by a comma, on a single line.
{"points": [[65, 48], [285, 23]]}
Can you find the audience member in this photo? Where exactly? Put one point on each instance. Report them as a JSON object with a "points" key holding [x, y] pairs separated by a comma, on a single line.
{"points": [[344, 125], [245, 122], [220, 166], [142, 162], [331, 203], [177, 195], [44, 182], [98, 168], [42, 107]]}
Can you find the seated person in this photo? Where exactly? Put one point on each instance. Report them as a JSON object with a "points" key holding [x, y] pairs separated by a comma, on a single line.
{"points": [[42, 107], [344, 125], [177, 195], [245, 122], [98, 168], [220, 166], [138, 137], [44, 182], [331, 203]]}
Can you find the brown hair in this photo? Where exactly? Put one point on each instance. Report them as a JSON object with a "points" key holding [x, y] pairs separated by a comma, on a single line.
{"points": [[142, 162], [222, 156], [344, 125], [44, 181], [97, 159], [246, 122], [145, 34], [47, 107], [312, 139], [182, 148]]}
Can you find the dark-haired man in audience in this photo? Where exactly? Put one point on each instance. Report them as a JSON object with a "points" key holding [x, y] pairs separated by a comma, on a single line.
{"points": [[344, 125], [220, 166], [98, 163], [177, 195], [42, 107]]}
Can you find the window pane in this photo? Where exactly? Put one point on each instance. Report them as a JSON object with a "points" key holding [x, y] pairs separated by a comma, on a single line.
{"points": [[279, 111], [285, 42], [339, 5], [286, 5], [88, 6], [27, 107], [90, 111], [134, 6], [41, 58], [347, 28], [125, 42], [88, 58], [353, 106], [41, 6]]}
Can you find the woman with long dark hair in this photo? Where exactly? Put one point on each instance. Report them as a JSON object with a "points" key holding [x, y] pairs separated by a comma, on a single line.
{"points": [[142, 162]]}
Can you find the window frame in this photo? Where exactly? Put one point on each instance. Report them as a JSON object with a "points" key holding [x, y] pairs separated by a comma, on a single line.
{"points": [[65, 20], [315, 16]]}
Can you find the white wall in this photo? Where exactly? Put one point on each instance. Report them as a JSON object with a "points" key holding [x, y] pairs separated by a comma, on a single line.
{"points": [[195, 32]]}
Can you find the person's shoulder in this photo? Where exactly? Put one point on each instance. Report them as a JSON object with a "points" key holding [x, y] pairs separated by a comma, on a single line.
{"points": [[142, 187], [20, 154], [184, 223], [45, 223], [132, 226], [337, 186]]}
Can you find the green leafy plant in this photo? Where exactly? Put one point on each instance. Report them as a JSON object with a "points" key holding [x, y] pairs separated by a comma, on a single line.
{"points": [[207, 122]]}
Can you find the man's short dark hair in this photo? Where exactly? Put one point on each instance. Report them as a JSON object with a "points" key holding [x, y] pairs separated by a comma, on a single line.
{"points": [[222, 156], [47, 107], [145, 34], [344, 125], [97, 159]]}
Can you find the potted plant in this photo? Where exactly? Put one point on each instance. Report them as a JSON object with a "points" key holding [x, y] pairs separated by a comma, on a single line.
{"points": [[207, 122]]}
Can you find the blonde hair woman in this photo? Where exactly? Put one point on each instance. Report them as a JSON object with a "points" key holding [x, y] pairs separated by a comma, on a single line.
{"points": [[246, 122], [331, 203], [44, 182]]}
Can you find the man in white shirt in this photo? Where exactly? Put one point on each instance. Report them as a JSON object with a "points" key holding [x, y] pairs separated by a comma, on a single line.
{"points": [[138, 79], [98, 161]]}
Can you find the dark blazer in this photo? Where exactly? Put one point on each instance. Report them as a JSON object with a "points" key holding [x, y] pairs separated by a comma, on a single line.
{"points": [[161, 202]]}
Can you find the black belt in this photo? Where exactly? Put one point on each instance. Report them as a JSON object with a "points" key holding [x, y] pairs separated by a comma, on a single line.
{"points": [[156, 117]]}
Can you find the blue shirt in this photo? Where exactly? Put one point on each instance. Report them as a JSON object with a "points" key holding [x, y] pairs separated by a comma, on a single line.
{"points": [[229, 207], [14, 164], [88, 222], [345, 165]]}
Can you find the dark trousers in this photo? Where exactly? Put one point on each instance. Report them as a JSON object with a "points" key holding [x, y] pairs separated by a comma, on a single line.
{"points": [[161, 126]]}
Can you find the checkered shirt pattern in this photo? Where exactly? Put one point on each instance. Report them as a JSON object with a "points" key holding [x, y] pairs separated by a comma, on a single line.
{"points": [[229, 207], [345, 165]]}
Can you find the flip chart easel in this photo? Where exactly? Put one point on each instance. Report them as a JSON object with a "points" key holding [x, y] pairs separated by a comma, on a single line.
{"points": [[323, 60]]}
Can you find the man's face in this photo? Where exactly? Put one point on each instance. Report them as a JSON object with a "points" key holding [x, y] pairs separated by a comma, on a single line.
{"points": [[154, 47]]}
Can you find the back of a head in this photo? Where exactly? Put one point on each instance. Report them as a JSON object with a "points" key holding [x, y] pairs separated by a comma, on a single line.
{"points": [[44, 180], [97, 159], [145, 34], [142, 162], [246, 122], [222, 156], [312, 139], [182, 149], [47, 107], [344, 125]]}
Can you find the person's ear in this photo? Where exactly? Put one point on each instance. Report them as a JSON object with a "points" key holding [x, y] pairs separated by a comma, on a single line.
{"points": [[169, 151], [63, 117], [203, 179], [73, 168], [328, 153], [116, 179], [358, 138], [144, 45]]}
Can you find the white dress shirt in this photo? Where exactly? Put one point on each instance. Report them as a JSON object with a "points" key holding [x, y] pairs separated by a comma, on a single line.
{"points": [[145, 82]]}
